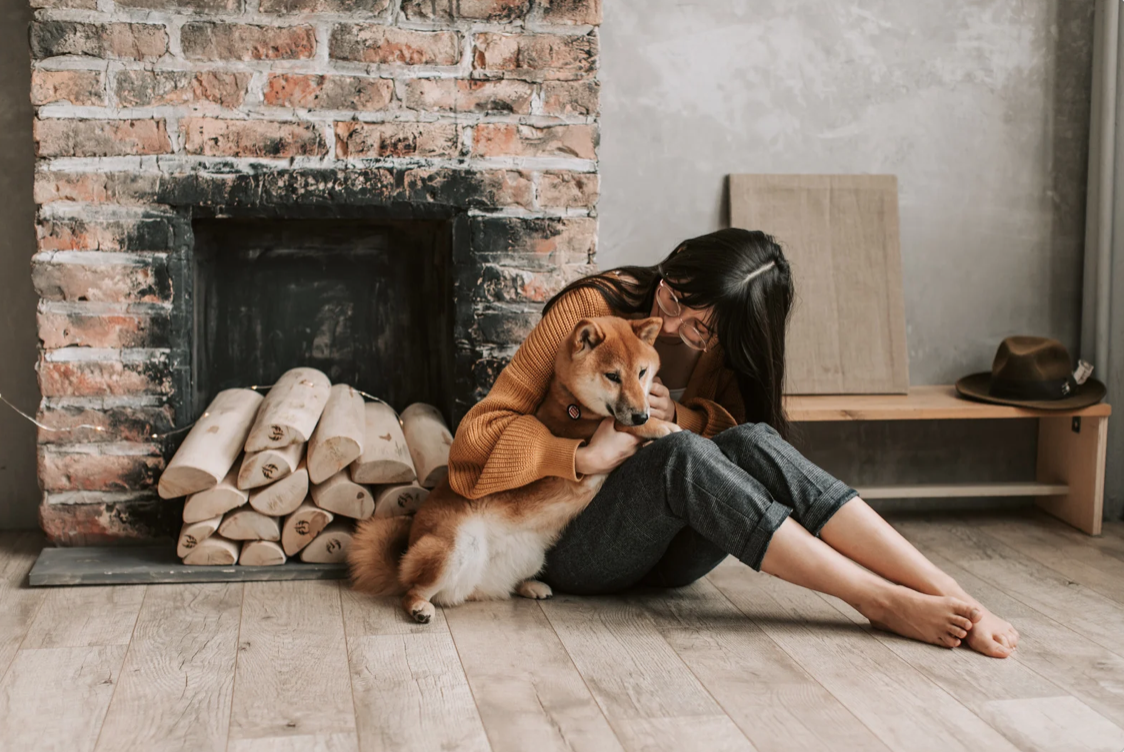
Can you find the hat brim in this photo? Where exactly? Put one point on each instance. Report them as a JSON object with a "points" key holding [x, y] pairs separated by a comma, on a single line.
{"points": [[976, 387]]}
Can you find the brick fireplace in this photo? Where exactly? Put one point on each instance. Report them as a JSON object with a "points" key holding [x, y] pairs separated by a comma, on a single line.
{"points": [[164, 128]]}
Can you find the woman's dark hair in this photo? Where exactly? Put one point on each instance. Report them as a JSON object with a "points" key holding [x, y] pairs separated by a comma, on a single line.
{"points": [[750, 313]]}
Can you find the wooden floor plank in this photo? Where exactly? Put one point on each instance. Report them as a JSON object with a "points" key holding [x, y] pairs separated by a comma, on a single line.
{"points": [[344, 742], [175, 688], [1078, 665], [76, 617], [410, 690], [1042, 588], [636, 677], [528, 691], [19, 605], [774, 701], [1054, 724], [55, 699], [900, 705], [292, 675]]}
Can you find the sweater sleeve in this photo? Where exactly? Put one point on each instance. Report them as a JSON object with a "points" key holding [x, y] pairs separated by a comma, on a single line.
{"points": [[708, 418], [500, 444]]}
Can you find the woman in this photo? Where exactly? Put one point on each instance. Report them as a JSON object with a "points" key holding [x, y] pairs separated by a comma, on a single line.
{"points": [[728, 483]]}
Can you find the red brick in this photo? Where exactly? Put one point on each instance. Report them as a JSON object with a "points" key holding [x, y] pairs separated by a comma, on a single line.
{"points": [[148, 234], [143, 282], [117, 187], [184, 6], [397, 140], [251, 138], [506, 285], [147, 88], [508, 188], [536, 244], [100, 138], [568, 189], [369, 43], [324, 6], [100, 378], [535, 57], [80, 518], [121, 423], [78, 87], [452, 95], [115, 40], [583, 12], [510, 140], [571, 98], [328, 92], [108, 330], [64, 471], [499, 11], [219, 41]]}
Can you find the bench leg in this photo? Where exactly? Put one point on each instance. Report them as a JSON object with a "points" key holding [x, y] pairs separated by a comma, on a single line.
{"points": [[1072, 451]]}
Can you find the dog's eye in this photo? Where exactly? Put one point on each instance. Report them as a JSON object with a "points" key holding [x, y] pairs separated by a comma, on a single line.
{"points": [[642, 372], [613, 377]]}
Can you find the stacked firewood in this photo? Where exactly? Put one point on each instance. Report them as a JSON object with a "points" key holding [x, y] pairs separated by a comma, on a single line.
{"points": [[266, 479]]}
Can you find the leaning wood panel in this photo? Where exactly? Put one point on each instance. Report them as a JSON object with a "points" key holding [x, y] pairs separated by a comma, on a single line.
{"points": [[429, 440], [304, 524], [175, 687], [269, 466], [290, 410], [1073, 452], [212, 445], [215, 501], [385, 458], [339, 436], [840, 235], [284, 496], [339, 495]]}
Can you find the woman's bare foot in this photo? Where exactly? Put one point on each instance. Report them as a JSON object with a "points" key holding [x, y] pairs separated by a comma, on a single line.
{"points": [[936, 619], [992, 636]]}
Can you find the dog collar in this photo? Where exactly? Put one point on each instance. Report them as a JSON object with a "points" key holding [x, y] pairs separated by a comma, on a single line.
{"points": [[574, 412]]}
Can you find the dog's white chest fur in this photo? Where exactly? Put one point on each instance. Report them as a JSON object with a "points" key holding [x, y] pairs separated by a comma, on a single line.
{"points": [[490, 558]]}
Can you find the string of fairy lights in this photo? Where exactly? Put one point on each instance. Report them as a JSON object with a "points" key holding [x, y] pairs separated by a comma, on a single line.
{"points": [[152, 436]]}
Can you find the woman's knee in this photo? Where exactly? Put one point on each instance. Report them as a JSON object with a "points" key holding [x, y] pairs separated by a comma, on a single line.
{"points": [[747, 435]]}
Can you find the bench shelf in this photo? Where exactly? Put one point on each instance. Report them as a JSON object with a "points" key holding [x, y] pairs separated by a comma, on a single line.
{"points": [[1071, 446]]}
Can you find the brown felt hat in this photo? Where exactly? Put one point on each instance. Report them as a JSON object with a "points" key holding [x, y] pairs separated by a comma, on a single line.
{"points": [[1032, 372]]}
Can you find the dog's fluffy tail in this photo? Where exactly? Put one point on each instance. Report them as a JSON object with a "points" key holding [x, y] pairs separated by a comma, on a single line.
{"points": [[375, 553]]}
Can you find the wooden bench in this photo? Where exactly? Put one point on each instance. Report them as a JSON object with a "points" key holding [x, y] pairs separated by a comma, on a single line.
{"points": [[1071, 447]]}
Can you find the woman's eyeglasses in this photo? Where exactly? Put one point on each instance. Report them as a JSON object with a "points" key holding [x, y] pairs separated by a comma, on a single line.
{"points": [[693, 332]]}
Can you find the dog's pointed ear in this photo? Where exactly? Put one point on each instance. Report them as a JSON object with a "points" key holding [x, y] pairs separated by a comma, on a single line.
{"points": [[588, 334], [648, 329]]}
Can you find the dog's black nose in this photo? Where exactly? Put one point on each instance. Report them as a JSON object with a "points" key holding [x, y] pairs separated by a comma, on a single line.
{"points": [[639, 419]]}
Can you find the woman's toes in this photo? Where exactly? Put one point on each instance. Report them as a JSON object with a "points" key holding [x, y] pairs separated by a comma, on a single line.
{"points": [[962, 623], [958, 632], [1002, 640]]}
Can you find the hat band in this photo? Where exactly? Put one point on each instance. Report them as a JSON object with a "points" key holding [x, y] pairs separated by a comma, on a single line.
{"points": [[1053, 389]]}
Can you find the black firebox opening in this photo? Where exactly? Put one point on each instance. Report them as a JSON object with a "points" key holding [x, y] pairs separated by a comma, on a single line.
{"points": [[367, 302]]}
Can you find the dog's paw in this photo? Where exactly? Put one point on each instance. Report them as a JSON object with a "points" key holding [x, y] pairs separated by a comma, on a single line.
{"points": [[423, 613], [534, 590]]}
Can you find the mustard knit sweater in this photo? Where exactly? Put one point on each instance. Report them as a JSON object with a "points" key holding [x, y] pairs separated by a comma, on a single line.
{"points": [[501, 445]]}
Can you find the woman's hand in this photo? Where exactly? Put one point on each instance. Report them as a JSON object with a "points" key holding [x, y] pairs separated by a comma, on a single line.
{"points": [[659, 402], [606, 450]]}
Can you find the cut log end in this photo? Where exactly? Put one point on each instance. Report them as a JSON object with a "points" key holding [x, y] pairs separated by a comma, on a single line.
{"points": [[302, 526], [215, 551], [339, 495], [250, 524], [261, 554], [331, 546]]}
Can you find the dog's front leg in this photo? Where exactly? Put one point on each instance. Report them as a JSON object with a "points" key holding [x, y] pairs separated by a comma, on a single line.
{"points": [[652, 429]]}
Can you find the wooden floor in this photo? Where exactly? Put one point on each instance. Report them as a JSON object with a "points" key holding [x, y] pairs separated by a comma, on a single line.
{"points": [[740, 661]]}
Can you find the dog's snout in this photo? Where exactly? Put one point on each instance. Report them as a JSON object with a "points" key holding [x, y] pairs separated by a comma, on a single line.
{"points": [[639, 419]]}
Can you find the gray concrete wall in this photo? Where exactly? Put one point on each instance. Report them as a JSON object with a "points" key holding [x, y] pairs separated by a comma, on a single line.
{"points": [[980, 107], [19, 491]]}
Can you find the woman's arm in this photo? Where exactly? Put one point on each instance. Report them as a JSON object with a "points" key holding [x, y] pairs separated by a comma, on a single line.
{"points": [[500, 444]]}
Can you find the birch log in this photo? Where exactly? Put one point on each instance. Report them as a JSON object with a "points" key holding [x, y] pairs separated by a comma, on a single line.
{"points": [[302, 526], [215, 501], [280, 498], [330, 547], [290, 411], [385, 458], [194, 533], [249, 524], [340, 496], [214, 551], [429, 440], [395, 501], [212, 445], [338, 439], [269, 465], [260, 553]]}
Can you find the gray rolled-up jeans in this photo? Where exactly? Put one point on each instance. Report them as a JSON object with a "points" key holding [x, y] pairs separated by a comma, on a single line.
{"points": [[671, 512]]}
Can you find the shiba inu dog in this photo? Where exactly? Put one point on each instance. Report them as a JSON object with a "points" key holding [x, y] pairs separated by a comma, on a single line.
{"points": [[456, 549]]}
